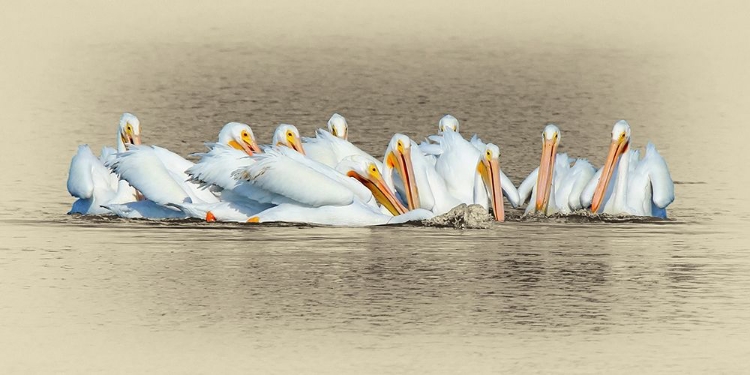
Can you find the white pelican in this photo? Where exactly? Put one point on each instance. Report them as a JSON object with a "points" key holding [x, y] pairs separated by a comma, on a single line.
{"points": [[459, 165], [415, 179], [627, 185], [555, 186], [239, 199], [426, 187], [318, 194], [337, 126], [92, 183], [448, 122], [160, 175], [429, 147]]}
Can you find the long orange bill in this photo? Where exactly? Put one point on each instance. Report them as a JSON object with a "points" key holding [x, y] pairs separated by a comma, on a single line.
{"points": [[489, 169], [297, 145], [616, 149], [402, 161], [253, 148], [546, 171], [381, 192]]}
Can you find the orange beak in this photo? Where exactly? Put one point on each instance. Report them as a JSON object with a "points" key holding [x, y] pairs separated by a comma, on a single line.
{"points": [[249, 149], [296, 144], [402, 162], [381, 192], [489, 169], [616, 149], [133, 139], [546, 171]]}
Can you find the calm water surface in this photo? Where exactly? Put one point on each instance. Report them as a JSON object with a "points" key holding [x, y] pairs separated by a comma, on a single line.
{"points": [[93, 295]]}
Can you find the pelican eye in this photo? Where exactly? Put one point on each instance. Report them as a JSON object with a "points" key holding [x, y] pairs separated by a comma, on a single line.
{"points": [[289, 134]]}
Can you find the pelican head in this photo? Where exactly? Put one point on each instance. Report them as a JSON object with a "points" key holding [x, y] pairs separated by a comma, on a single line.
{"points": [[369, 175], [239, 136], [447, 122], [550, 141], [337, 126], [618, 146], [129, 130], [489, 168], [398, 156], [288, 135]]}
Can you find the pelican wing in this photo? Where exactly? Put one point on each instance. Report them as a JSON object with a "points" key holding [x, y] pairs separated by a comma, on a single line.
{"points": [[587, 195], [144, 210], [88, 176], [177, 167], [330, 150], [661, 180], [457, 165], [477, 143], [650, 186], [144, 170], [430, 149], [279, 171], [319, 149], [581, 173], [216, 166], [509, 190], [359, 190], [355, 214], [527, 186]]}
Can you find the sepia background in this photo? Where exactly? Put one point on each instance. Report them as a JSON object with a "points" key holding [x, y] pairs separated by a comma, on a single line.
{"points": [[96, 295]]}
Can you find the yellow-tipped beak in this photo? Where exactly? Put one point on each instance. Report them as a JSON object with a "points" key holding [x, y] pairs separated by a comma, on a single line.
{"points": [[489, 169], [546, 172], [616, 149], [402, 162]]}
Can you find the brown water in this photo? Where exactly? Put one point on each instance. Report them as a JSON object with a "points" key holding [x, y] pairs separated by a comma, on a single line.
{"points": [[82, 295]]}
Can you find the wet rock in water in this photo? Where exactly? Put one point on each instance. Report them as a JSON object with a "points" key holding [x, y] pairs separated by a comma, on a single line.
{"points": [[463, 216]]}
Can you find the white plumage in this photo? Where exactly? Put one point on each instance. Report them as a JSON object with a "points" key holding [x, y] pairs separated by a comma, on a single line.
{"points": [[561, 185], [628, 185], [92, 183]]}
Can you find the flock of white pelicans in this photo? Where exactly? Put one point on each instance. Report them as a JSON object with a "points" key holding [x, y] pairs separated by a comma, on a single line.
{"points": [[328, 180]]}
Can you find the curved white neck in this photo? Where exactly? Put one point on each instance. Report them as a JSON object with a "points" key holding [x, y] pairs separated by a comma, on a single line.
{"points": [[619, 194], [120, 145]]}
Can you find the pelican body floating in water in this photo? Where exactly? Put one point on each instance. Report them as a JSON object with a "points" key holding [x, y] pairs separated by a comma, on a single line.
{"points": [[627, 184], [160, 175], [461, 174], [555, 186], [306, 191], [328, 180], [91, 181]]}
